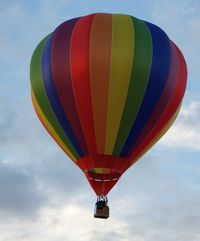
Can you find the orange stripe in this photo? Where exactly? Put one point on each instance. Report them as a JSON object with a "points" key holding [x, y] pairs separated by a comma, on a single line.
{"points": [[100, 58], [49, 128]]}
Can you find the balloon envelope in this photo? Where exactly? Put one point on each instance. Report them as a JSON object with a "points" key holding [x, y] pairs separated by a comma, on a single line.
{"points": [[107, 87]]}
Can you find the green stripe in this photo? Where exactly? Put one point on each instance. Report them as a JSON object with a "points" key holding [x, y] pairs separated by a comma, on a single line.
{"points": [[41, 96], [139, 79]]}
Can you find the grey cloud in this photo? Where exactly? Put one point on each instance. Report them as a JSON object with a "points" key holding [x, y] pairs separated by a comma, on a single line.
{"points": [[26, 145], [162, 205], [184, 132], [60, 178], [102, 235], [18, 192]]}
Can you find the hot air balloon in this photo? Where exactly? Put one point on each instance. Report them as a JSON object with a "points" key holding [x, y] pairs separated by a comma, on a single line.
{"points": [[107, 87]]}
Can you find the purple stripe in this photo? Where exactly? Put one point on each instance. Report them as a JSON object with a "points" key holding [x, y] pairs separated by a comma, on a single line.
{"points": [[53, 97], [60, 66]]}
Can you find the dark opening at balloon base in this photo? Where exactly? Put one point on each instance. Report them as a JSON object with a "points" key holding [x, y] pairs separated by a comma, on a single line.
{"points": [[101, 208]]}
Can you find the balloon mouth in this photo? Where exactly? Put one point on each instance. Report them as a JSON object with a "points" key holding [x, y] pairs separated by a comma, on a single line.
{"points": [[99, 170], [103, 174], [101, 164], [102, 171]]}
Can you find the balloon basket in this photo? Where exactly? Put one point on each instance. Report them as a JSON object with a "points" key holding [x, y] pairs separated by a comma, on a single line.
{"points": [[101, 208]]}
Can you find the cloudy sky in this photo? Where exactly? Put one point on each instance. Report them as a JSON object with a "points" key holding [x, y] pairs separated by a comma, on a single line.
{"points": [[43, 196]]}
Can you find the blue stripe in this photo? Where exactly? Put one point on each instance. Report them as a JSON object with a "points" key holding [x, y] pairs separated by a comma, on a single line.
{"points": [[156, 83], [53, 97]]}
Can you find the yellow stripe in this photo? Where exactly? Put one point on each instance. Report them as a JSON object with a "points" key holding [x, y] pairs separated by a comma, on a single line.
{"points": [[161, 133], [50, 128], [121, 66]]}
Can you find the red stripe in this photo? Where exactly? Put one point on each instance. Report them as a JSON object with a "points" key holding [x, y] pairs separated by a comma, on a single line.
{"points": [[169, 111], [62, 77], [162, 102], [80, 78]]}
